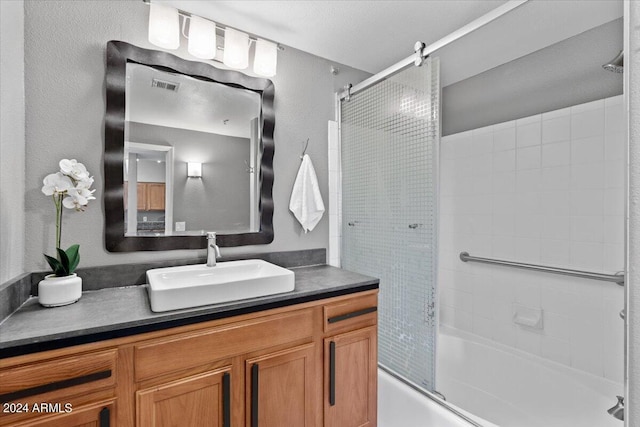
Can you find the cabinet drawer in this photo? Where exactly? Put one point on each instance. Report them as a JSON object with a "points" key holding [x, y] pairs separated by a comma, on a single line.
{"points": [[65, 376], [351, 314], [101, 414], [194, 349]]}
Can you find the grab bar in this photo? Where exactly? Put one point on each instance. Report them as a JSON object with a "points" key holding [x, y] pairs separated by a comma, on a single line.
{"points": [[616, 278]]}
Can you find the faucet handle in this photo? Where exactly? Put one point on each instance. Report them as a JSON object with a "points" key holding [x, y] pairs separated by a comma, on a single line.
{"points": [[211, 234]]}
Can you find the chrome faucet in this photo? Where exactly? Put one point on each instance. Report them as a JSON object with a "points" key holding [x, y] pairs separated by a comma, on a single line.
{"points": [[213, 251]]}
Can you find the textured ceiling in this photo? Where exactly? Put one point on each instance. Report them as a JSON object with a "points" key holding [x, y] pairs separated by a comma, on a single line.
{"points": [[372, 35], [367, 35], [197, 105]]}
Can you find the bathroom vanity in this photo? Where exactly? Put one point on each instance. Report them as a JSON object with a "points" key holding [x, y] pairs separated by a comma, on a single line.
{"points": [[301, 358], [304, 358]]}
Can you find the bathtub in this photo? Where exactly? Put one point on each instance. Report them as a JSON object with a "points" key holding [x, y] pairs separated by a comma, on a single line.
{"points": [[512, 388], [399, 405]]}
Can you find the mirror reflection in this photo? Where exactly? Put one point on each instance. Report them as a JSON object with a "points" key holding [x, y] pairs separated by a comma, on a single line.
{"points": [[192, 149]]}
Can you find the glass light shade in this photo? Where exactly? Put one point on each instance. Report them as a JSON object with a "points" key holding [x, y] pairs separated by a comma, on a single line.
{"points": [[164, 26], [202, 38], [266, 58], [236, 49], [194, 170]]}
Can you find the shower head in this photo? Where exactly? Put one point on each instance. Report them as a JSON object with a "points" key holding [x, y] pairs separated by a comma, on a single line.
{"points": [[616, 65]]}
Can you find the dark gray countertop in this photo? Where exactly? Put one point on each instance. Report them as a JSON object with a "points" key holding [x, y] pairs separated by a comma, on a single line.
{"points": [[116, 312]]}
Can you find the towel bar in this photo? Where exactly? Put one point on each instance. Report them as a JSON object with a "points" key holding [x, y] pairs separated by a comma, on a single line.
{"points": [[615, 278]]}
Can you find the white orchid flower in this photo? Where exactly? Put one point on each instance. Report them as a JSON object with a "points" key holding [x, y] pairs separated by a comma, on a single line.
{"points": [[86, 193], [85, 183], [74, 169], [56, 183], [77, 198], [69, 188]]}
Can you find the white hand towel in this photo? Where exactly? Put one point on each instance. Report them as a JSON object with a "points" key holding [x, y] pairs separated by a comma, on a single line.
{"points": [[306, 200]]}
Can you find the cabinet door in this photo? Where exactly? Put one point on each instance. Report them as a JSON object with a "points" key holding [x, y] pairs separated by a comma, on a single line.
{"points": [[98, 415], [126, 194], [282, 388], [155, 196], [351, 379], [142, 196], [197, 401]]}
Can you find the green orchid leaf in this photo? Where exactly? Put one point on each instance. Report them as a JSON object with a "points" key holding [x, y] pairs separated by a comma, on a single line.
{"points": [[64, 261], [55, 265], [73, 253]]}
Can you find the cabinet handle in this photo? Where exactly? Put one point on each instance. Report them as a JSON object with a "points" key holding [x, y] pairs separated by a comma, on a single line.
{"points": [[105, 417], [226, 400], [57, 385], [332, 373], [352, 314], [254, 395]]}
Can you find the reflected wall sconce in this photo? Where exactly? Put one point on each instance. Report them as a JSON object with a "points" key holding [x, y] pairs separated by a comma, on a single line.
{"points": [[194, 170], [164, 31]]}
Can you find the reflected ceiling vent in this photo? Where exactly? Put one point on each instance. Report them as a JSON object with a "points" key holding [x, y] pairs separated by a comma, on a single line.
{"points": [[163, 84]]}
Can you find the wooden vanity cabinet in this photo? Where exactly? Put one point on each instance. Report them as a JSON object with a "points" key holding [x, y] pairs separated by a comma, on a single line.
{"points": [[281, 388], [97, 415], [351, 389], [350, 363], [307, 365], [67, 390], [198, 400]]}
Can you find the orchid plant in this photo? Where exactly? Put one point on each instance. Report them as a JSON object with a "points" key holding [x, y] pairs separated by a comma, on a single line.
{"points": [[69, 188]]}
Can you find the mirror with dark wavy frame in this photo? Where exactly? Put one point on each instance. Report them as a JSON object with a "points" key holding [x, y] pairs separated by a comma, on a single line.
{"points": [[188, 149]]}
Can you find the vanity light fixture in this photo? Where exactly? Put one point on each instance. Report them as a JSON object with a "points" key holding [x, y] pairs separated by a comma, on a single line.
{"points": [[266, 58], [164, 31], [164, 26], [202, 38], [194, 170], [236, 49]]}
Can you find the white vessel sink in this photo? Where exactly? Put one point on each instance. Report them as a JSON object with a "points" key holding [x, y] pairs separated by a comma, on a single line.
{"points": [[195, 285]]}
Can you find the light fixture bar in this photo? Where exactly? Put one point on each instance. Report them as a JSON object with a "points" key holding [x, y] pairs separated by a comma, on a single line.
{"points": [[252, 38]]}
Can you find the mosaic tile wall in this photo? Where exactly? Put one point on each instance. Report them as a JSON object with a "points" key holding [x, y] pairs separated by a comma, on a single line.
{"points": [[389, 139]]}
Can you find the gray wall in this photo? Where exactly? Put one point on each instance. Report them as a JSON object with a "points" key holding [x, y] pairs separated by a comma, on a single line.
{"points": [[150, 171], [12, 140], [220, 199], [65, 104], [564, 74], [633, 281]]}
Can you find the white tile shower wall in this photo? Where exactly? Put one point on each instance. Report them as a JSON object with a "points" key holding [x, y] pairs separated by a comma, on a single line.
{"points": [[543, 189]]}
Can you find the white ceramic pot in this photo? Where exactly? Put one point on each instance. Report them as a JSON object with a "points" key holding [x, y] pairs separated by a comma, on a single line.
{"points": [[56, 291]]}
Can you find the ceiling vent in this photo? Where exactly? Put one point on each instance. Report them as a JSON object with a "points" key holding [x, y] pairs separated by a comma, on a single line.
{"points": [[163, 84]]}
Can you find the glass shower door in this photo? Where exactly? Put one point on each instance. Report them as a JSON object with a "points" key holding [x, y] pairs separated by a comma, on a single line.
{"points": [[389, 139]]}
